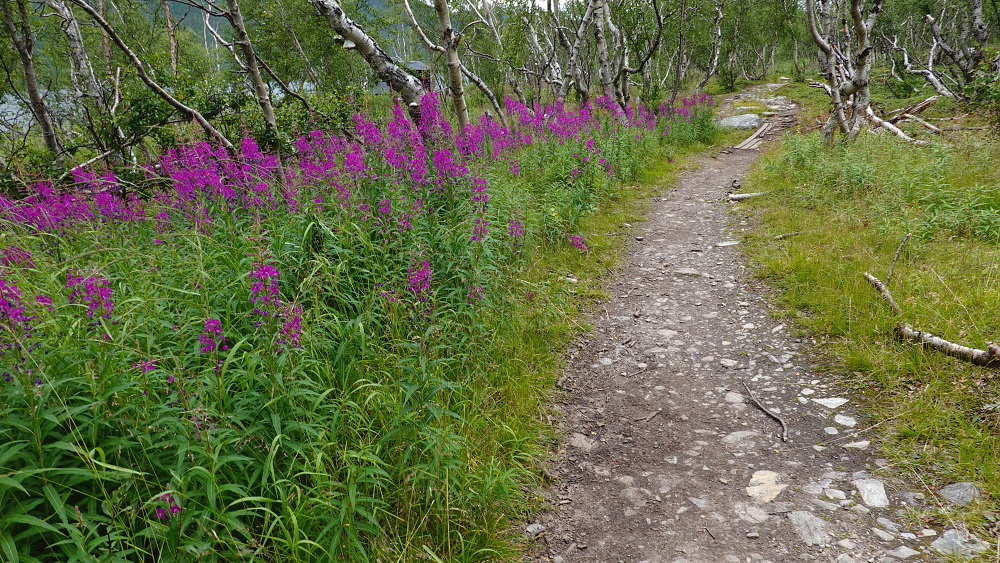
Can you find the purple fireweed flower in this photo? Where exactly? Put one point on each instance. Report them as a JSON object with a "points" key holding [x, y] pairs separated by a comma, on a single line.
{"points": [[15, 256], [92, 291], [162, 514], [577, 241], [420, 280], [145, 366], [515, 229], [475, 293], [211, 338], [480, 229], [264, 291], [290, 329]]}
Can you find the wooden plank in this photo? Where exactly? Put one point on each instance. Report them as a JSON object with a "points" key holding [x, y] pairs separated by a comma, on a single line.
{"points": [[759, 132]]}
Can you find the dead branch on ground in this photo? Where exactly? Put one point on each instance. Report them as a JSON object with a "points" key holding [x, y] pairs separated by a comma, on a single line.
{"points": [[990, 357]]}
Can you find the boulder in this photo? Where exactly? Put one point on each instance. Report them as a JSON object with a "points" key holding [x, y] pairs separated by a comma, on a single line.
{"points": [[744, 121]]}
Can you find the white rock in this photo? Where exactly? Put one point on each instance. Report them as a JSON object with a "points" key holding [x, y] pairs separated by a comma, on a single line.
{"points": [[744, 121], [832, 402], [845, 420], [831, 430], [727, 243], [807, 391], [726, 362], [581, 442], [902, 552], [667, 333], [835, 494], [809, 527], [872, 492], [963, 544], [764, 486], [883, 535], [858, 445], [687, 272]]}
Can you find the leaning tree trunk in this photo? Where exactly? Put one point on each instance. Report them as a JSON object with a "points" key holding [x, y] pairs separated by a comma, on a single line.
{"points": [[23, 41], [574, 70], [235, 17], [449, 40], [355, 37], [681, 53]]}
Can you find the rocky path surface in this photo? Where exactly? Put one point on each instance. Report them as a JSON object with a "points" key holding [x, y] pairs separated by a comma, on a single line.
{"points": [[667, 458]]}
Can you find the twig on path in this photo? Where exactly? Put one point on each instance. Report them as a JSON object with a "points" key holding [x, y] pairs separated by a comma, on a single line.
{"points": [[710, 533], [760, 405], [899, 250], [649, 416]]}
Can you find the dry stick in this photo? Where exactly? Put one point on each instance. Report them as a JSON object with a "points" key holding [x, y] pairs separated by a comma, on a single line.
{"points": [[791, 234], [899, 250], [756, 401], [990, 357], [877, 284], [741, 197]]}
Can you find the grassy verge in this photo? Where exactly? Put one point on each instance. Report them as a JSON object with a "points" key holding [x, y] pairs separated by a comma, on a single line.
{"points": [[939, 418]]}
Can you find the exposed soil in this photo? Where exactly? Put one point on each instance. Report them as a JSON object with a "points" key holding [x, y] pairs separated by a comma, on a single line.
{"points": [[663, 442]]}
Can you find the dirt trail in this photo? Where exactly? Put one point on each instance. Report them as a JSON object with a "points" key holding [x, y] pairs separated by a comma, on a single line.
{"points": [[667, 459]]}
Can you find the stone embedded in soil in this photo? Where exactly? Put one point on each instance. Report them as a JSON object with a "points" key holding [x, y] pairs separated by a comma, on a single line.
{"points": [[726, 362], [872, 492], [534, 530], [687, 272], [883, 535], [744, 121], [844, 420], [961, 493], [832, 402], [581, 442], [764, 486], [809, 527], [726, 243], [954, 542], [902, 552], [858, 445]]}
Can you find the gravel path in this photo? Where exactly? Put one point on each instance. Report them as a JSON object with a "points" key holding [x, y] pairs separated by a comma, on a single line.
{"points": [[667, 460]]}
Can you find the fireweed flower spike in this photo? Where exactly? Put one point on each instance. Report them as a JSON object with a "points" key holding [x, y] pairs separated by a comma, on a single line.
{"points": [[211, 338], [264, 291]]}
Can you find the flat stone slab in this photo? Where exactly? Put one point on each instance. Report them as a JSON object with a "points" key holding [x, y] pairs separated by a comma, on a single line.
{"points": [[831, 402], [961, 493], [744, 121], [764, 486], [872, 492], [954, 542], [809, 527]]}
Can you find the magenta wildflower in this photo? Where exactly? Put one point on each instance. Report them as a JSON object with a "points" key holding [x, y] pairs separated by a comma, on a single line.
{"points": [[211, 337], [515, 229], [92, 291], [145, 366], [577, 241], [264, 291], [15, 256], [290, 329], [420, 280]]}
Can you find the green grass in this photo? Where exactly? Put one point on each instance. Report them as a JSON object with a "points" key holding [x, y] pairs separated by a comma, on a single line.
{"points": [[854, 204]]}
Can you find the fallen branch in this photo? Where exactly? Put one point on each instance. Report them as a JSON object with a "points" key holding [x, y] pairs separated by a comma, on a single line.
{"points": [[741, 197], [926, 124], [899, 250], [990, 357], [786, 235], [878, 285], [916, 108], [892, 128], [756, 401]]}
